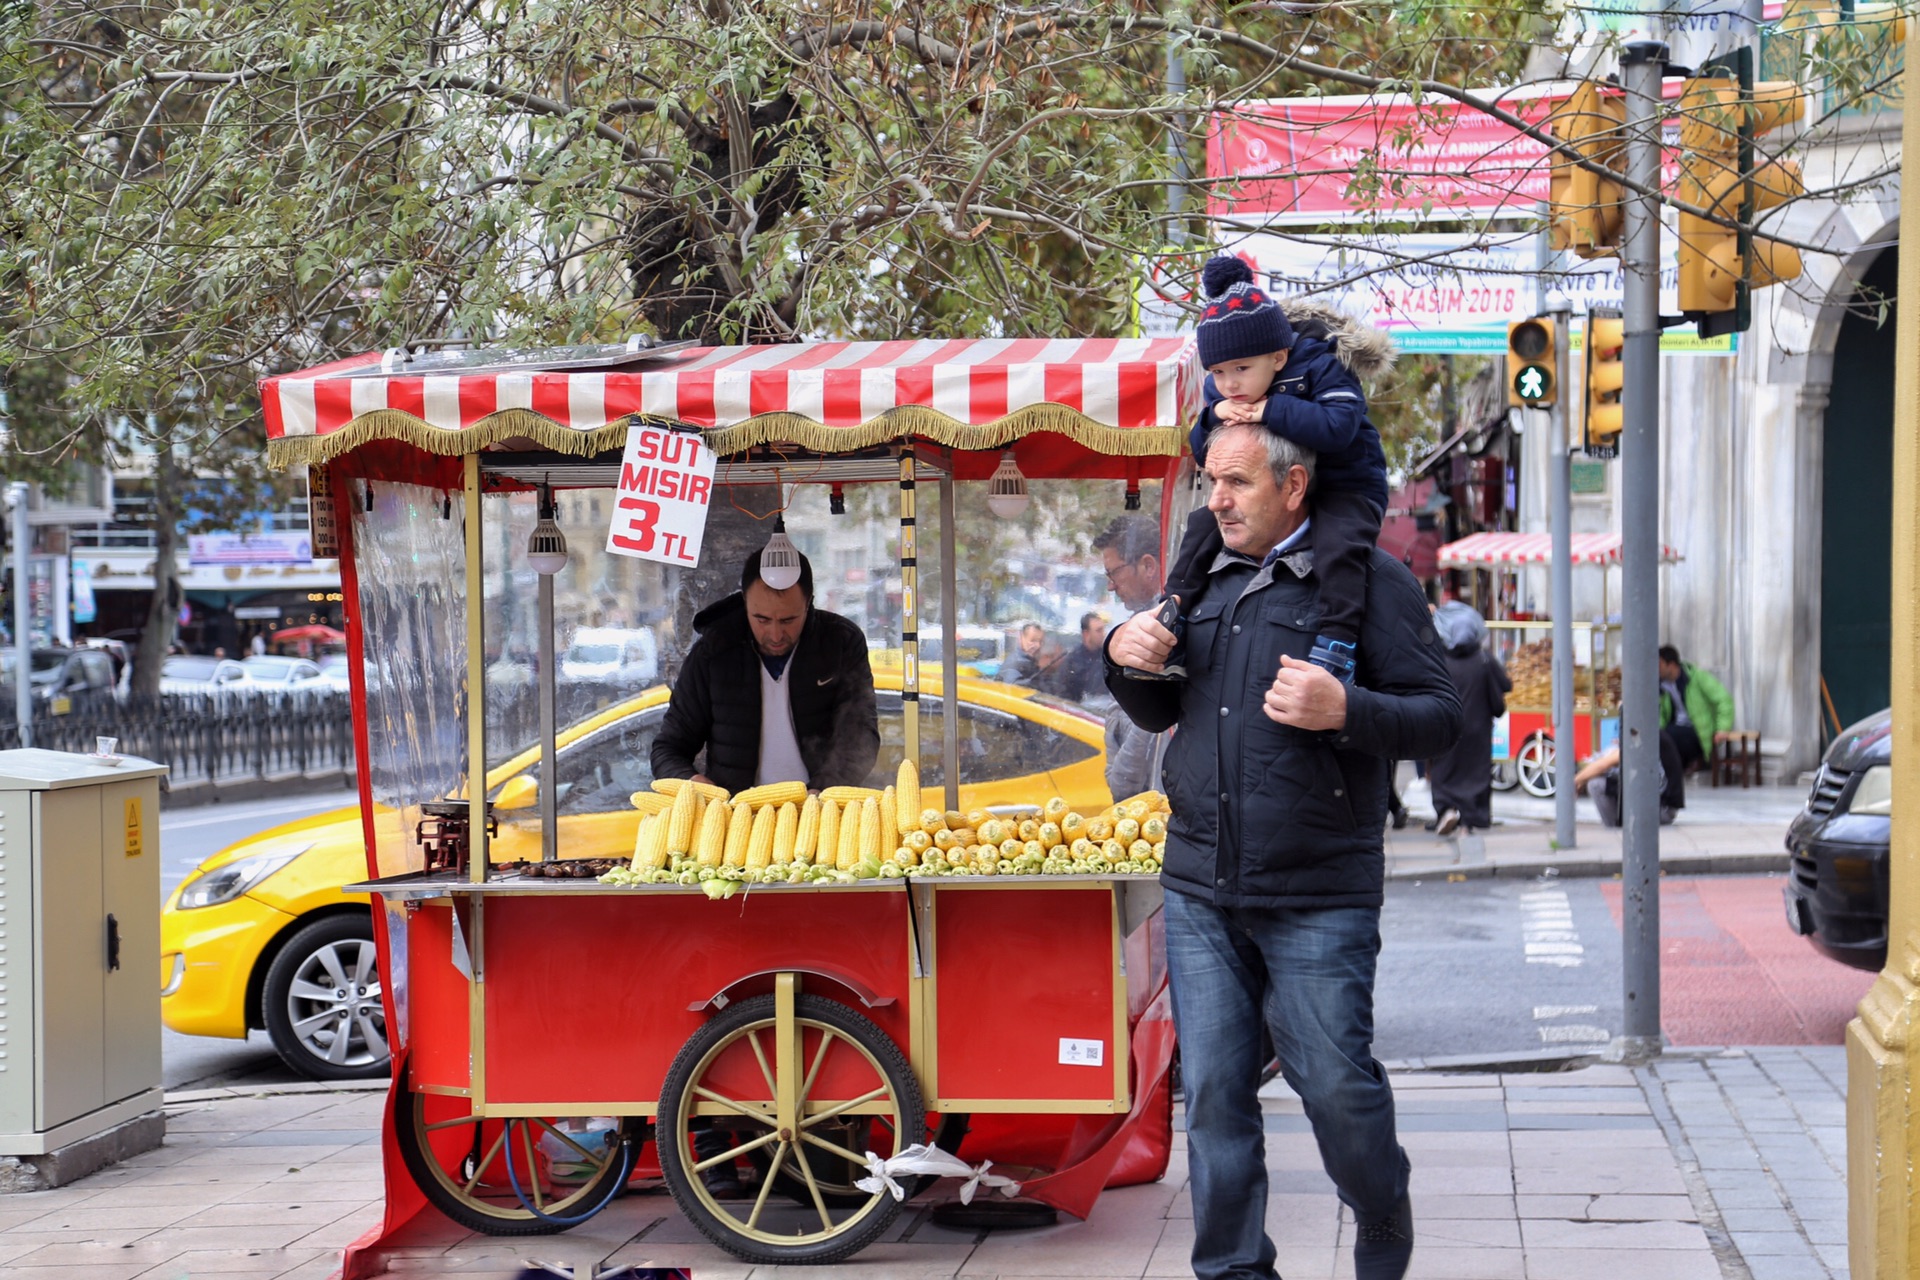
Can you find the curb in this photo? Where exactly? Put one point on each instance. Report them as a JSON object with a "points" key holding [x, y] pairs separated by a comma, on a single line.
{"points": [[1534, 1061], [1682, 865], [290, 1089]]}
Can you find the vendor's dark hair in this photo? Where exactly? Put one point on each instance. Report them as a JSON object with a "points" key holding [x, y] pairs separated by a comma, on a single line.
{"points": [[750, 574], [1131, 537], [1669, 654]]}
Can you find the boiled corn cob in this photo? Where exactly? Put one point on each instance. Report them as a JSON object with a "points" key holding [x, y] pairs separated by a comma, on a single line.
{"points": [[807, 838], [772, 793], [686, 807], [889, 821], [786, 825], [760, 839], [651, 801], [672, 787], [650, 844], [847, 853], [870, 833], [709, 847], [739, 831], [849, 795], [826, 845], [906, 790]]}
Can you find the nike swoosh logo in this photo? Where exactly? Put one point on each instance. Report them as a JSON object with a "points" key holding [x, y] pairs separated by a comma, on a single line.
{"points": [[828, 680]]}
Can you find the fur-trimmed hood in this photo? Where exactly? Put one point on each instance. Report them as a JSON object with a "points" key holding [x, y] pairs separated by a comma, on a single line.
{"points": [[1365, 351]]}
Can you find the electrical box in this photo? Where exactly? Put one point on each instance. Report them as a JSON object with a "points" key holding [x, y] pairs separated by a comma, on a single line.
{"points": [[79, 946]]}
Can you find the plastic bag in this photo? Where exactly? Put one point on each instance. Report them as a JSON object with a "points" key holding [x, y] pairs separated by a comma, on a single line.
{"points": [[920, 1159]]}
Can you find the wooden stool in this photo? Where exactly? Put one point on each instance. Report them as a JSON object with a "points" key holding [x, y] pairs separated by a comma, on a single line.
{"points": [[1737, 750]]}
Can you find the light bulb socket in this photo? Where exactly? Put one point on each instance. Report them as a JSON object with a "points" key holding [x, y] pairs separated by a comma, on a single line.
{"points": [[1007, 495], [546, 545]]}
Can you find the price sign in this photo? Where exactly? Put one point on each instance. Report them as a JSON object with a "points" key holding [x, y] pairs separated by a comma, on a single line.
{"points": [[660, 507]]}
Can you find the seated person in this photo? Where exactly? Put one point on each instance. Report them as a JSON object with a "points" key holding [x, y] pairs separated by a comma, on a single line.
{"points": [[1599, 777], [1696, 710]]}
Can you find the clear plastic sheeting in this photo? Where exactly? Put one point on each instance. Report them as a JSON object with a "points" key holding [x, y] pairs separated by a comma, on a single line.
{"points": [[410, 562], [613, 634]]}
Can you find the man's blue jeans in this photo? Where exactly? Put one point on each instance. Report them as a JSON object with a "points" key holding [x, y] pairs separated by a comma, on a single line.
{"points": [[1309, 973]]}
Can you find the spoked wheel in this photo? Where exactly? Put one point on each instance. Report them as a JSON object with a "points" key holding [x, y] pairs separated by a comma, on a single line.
{"points": [[1504, 777], [835, 1176], [518, 1176], [1534, 765], [816, 1086]]}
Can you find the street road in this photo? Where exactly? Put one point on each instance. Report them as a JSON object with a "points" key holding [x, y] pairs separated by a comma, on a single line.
{"points": [[1486, 967], [186, 837]]}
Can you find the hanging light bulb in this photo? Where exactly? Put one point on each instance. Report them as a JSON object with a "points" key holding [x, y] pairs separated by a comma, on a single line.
{"points": [[546, 546], [779, 559], [1007, 490]]}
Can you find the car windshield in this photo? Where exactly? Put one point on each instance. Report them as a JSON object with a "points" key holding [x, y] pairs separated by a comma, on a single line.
{"points": [[594, 653], [273, 670], [334, 662], [189, 668]]}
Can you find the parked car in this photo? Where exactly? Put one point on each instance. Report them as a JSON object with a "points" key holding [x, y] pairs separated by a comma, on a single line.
{"points": [[186, 675], [63, 681], [334, 672], [270, 674], [261, 936], [1836, 892], [612, 656]]}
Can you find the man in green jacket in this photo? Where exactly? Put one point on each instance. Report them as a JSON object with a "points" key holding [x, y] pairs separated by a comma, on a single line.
{"points": [[1695, 708]]}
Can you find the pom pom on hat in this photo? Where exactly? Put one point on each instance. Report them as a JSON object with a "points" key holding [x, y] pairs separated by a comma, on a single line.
{"points": [[1222, 273]]}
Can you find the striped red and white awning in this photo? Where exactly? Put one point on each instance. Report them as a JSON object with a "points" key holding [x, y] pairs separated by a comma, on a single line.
{"points": [[1482, 549], [1116, 396]]}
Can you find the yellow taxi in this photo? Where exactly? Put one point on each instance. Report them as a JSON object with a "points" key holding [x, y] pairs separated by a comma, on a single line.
{"points": [[261, 936]]}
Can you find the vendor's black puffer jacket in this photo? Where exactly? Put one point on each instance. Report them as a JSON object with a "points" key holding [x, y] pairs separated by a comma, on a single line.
{"points": [[716, 702]]}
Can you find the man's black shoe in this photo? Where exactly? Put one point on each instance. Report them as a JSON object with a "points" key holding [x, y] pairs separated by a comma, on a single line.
{"points": [[723, 1182], [1385, 1246]]}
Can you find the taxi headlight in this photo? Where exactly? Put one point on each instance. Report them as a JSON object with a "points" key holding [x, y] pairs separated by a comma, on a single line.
{"points": [[229, 880], [1873, 794]]}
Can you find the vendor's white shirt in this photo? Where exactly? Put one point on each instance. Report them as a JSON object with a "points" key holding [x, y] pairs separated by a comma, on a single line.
{"points": [[779, 745]]}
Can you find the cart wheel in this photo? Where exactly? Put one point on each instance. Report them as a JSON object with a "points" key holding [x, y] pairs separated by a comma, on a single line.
{"points": [[1534, 765], [787, 1069], [467, 1166], [1504, 777], [835, 1179]]}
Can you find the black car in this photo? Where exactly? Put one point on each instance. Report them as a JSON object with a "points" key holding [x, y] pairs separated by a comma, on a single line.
{"points": [[1837, 887], [64, 681]]}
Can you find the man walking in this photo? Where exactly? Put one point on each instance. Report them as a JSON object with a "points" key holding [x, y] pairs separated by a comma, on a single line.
{"points": [[1275, 866]]}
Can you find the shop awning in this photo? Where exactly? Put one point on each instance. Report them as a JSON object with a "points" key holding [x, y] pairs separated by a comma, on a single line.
{"points": [[1105, 398], [1480, 550]]}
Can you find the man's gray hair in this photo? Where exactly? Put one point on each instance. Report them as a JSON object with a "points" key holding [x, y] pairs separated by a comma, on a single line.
{"points": [[1131, 537], [1283, 455]]}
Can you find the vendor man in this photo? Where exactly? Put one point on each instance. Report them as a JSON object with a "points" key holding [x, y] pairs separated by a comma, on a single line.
{"points": [[774, 690]]}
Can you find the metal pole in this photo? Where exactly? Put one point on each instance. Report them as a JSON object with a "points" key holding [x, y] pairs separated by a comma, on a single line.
{"points": [[1559, 485], [950, 638], [22, 642], [1642, 66], [1176, 140], [549, 776], [477, 856], [910, 613]]}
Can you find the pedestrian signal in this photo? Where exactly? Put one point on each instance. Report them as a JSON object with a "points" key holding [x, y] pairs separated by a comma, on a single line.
{"points": [[1530, 363]]}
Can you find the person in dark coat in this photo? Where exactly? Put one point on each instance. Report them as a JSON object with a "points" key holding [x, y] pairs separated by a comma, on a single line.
{"points": [[761, 646], [1275, 857], [1462, 779]]}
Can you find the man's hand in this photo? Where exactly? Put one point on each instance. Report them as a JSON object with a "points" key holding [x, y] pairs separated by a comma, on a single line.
{"points": [[1240, 414], [703, 780], [1141, 642], [1306, 697]]}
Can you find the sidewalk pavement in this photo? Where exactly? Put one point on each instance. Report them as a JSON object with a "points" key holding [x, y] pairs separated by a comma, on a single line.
{"points": [[1708, 1164], [1722, 829]]}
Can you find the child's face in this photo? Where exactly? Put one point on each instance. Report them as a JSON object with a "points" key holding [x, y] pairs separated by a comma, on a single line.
{"points": [[1247, 379]]}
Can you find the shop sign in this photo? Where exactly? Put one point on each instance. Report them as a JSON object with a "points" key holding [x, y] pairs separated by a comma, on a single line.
{"points": [[660, 506], [250, 548], [82, 591]]}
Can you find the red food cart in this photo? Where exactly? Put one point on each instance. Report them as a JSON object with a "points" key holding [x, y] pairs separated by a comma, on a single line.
{"points": [[1523, 749], [838, 1045]]}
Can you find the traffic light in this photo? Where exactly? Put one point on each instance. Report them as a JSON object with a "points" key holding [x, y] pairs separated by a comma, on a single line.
{"points": [[1602, 419], [1530, 363], [1585, 207], [1718, 172]]}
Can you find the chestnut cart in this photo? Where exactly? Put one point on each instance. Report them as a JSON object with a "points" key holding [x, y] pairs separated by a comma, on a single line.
{"points": [[839, 1047]]}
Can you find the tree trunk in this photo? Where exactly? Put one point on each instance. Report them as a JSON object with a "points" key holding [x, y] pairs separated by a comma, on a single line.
{"points": [[156, 637]]}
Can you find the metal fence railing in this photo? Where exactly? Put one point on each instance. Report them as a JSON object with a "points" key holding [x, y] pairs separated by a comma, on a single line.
{"points": [[217, 739]]}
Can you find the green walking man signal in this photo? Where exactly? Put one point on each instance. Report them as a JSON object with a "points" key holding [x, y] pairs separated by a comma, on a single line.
{"points": [[1530, 363]]}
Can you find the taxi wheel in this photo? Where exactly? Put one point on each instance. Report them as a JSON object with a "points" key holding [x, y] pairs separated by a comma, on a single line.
{"points": [[321, 1001], [828, 1066], [518, 1176]]}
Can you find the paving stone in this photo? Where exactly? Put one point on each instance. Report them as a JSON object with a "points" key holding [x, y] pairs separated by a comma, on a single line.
{"points": [[1546, 1233], [1613, 1264], [1788, 1243]]}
